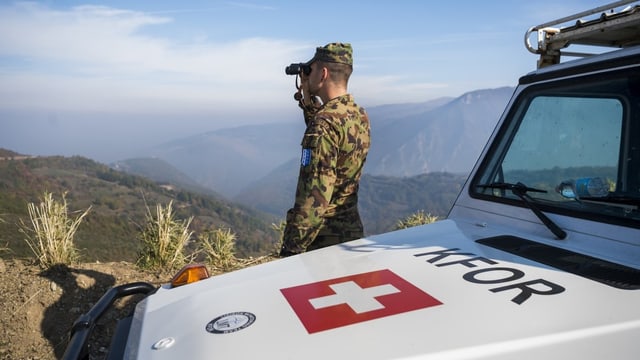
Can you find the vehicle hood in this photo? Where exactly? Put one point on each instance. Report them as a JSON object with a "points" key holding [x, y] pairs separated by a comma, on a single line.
{"points": [[429, 292]]}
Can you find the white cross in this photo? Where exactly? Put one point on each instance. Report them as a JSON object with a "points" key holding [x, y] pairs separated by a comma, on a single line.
{"points": [[359, 299]]}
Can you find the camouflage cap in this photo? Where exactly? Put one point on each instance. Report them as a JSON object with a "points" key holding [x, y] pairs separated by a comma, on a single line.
{"points": [[334, 52]]}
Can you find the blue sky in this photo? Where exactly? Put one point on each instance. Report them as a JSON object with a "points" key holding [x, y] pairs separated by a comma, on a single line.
{"points": [[184, 67]]}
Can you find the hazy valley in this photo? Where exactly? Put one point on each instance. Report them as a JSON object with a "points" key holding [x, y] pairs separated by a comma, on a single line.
{"points": [[442, 135], [244, 177]]}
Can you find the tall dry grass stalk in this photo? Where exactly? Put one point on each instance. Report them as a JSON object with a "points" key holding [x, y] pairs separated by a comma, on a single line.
{"points": [[52, 231], [279, 228], [163, 240]]}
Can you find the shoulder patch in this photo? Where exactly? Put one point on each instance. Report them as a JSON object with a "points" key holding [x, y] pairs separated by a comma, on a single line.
{"points": [[305, 159]]}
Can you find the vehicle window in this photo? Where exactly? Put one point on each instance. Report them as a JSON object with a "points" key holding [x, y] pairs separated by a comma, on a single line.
{"points": [[561, 138], [571, 147]]}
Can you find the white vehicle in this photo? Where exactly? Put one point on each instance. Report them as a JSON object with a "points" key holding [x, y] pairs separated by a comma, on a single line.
{"points": [[539, 258]]}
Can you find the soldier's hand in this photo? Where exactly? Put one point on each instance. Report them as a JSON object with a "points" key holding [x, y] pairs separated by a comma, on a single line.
{"points": [[308, 101], [304, 89]]}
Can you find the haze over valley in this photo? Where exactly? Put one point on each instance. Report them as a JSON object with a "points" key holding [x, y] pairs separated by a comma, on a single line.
{"points": [[257, 166], [420, 156], [442, 135]]}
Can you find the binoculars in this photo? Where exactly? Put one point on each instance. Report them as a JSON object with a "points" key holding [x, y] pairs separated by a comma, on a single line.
{"points": [[297, 69]]}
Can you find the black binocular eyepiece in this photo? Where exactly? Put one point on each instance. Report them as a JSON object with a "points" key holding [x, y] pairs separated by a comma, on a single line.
{"points": [[297, 69]]}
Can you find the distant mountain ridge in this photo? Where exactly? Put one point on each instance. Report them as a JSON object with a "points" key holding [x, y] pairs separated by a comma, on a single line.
{"points": [[229, 159], [448, 138], [419, 158], [161, 172], [441, 135]]}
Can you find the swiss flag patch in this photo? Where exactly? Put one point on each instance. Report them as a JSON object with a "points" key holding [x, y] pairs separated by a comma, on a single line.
{"points": [[356, 298]]}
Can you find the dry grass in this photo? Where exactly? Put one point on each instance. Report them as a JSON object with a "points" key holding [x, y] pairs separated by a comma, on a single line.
{"points": [[51, 232], [279, 227], [218, 247], [416, 219], [163, 240]]}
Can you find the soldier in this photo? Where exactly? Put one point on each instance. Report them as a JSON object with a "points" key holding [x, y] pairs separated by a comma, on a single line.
{"points": [[334, 149]]}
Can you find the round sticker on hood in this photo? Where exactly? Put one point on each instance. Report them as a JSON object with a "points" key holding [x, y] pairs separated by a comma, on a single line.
{"points": [[230, 322]]}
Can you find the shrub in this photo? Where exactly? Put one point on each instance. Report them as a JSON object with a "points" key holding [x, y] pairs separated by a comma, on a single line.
{"points": [[219, 248], [52, 231], [415, 219], [163, 240]]}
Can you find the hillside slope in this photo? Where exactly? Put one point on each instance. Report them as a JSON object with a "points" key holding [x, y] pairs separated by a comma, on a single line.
{"points": [[118, 204], [383, 200], [448, 138]]}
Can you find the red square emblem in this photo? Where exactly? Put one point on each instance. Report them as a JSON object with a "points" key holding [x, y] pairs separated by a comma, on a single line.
{"points": [[356, 298]]}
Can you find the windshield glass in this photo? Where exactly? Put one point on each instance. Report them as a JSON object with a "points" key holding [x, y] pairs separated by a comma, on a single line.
{"points": [[578, 144]]}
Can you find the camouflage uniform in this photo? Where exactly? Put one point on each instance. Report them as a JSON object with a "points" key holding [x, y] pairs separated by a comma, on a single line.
{"points": [[334, 149]]}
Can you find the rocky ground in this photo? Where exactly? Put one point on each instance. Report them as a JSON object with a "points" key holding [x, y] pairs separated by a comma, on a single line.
{"points": [[37, 308]]}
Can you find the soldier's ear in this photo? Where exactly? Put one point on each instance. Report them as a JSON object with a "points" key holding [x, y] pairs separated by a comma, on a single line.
{"points": [[325, 74]]}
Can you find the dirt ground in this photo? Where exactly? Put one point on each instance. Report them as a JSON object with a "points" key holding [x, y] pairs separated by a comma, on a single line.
{"points": [[38, 308]]}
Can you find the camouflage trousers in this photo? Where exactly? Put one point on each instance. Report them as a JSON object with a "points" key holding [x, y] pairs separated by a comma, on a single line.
{"points": [[338, 231]]}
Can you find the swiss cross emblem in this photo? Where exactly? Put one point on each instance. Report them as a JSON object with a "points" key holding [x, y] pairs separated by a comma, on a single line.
{"points": [[356, 298]]}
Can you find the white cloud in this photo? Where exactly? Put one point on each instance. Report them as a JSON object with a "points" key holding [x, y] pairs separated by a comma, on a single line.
{"points": [[82, 34], [96, 56]]}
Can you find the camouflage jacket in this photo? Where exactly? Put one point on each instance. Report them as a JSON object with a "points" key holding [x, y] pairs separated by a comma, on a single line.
{"points": [[334, 149]]}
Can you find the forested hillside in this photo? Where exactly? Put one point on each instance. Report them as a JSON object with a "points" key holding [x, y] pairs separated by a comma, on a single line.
{"points": [[118, 202], [384, 200]]}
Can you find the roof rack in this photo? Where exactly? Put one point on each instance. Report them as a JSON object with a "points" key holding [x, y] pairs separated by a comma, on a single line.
{"points": [[611, 29]]}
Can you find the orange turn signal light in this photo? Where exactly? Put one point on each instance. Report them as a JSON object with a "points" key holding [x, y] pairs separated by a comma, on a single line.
{"points": [[189, 274]]}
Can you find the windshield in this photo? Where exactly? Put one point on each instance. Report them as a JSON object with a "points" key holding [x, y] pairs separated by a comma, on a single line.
{"points": [[578, 143]]}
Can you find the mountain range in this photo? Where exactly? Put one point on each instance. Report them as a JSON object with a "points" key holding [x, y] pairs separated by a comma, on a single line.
{"points": [[419, 158], [445, 138], [441, 135]]}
